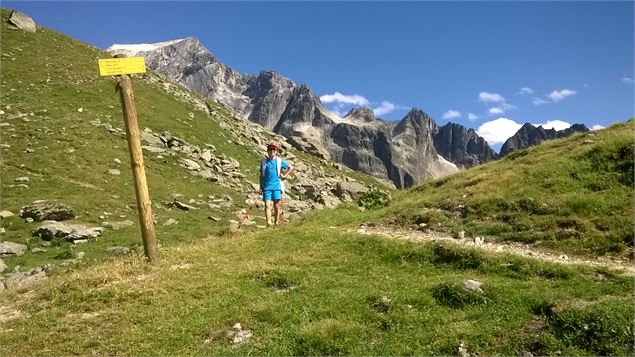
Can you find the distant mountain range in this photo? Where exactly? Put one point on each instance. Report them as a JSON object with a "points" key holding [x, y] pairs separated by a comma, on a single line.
{"points": [[406, 152], [529, 135]]}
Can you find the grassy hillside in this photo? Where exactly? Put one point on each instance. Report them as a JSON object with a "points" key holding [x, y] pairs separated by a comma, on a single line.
{"points": [[314, 286], [58, 112], [574, 195], [311, 288]]}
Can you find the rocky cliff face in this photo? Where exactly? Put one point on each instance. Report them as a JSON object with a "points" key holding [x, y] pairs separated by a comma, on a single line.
{"points": [[403, 153], [462, 146], [529, 135]]}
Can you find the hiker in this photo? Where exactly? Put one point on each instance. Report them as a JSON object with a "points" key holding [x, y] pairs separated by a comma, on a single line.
{"points": [[272, 171]]}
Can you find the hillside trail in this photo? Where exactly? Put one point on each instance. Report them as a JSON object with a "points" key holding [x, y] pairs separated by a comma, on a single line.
{"points": [[624, 265]]}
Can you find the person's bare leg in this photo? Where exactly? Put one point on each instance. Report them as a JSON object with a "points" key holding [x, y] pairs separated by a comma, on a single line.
{"points": [[276, 211], [268, 213]]}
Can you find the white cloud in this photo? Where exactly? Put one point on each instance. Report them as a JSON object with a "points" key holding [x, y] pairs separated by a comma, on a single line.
{"points": [[501, 108], [539, 101], [338, 97], [597, 127], [486, 97], [498, 131], [526, 90], [451, 114], [384, 108], [554, 124], [557, 96], [627, 80], [472, 116]]}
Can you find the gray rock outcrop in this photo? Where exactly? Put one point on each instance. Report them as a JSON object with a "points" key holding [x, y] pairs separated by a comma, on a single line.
{"points": [[10, 248], [462, 146], [22, 21], [69, 231], [403, 153], [44, 210]]}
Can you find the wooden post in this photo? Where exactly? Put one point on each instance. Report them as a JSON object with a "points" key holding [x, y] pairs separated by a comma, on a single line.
{"points": [[144, 206]]}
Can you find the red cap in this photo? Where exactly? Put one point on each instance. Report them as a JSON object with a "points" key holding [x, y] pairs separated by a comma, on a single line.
{"points": [[272, 146]]}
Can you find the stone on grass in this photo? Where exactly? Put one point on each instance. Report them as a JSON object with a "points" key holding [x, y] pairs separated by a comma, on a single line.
{"points": [[47, 211], [10, 248]]}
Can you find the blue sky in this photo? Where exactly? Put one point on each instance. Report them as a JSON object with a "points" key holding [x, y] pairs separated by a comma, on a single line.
{"points": [[491, 66]]}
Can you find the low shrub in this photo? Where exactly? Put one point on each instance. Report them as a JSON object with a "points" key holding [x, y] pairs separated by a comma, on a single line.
{"points": [[374, 199], [461, 259], [456, 296], [602, 328]]}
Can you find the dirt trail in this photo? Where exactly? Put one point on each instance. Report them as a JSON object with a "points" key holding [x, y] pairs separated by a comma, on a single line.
{"points": [[624, 265]]}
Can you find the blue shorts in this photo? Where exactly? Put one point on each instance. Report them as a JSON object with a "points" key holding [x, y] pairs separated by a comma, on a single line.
{"points": [[271, 195]]}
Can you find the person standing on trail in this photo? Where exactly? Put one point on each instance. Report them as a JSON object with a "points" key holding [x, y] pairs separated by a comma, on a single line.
{"points": [[272, 171]]}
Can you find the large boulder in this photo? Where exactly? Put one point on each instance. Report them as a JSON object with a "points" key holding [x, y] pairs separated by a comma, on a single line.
{"points": [[10, 248], [47, 211], [71, 232], [22, 21], [353, 189]]}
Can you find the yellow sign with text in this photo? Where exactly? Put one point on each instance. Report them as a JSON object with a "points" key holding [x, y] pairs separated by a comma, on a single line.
{"points": [[117, 66]]}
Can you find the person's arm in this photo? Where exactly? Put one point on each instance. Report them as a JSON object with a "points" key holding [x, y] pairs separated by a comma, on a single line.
{"points": [[287, 172], [261, 178]]}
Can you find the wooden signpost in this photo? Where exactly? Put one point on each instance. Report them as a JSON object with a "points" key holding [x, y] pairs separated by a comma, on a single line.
{"points": [[121, 66]]}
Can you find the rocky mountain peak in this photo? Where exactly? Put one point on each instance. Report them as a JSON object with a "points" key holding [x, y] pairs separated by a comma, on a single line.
{"points": [[403, 153], [416, 114], [363, 114], [462, 146], [416, 120]]}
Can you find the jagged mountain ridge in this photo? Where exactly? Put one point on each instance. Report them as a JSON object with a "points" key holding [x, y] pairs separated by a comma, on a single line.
{"points": [[404, 153], [462, 146], [530, 135]]}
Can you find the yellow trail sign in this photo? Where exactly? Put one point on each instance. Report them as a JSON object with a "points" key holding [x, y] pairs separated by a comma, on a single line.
{"points": [[117, 66]]}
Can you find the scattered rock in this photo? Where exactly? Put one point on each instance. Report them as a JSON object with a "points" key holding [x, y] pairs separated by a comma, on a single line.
{"points": [[22, 179], [5, 214], [114, 172], [19, 280], [239, 336], [10, 248], [170, 222], [183, 206], [47, 211], [3, 266], [473, 285], [118, 225], [70, 232], [118, 250], [353, 189], [22, 21]]}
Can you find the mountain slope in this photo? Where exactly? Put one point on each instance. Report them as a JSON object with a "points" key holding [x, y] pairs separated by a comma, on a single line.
{"points": [[315, 286], [573, 194], [62, 130], [295, 112]]}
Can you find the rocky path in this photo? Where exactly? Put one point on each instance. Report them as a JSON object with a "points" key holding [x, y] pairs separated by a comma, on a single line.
{"points": [[626, 266]]}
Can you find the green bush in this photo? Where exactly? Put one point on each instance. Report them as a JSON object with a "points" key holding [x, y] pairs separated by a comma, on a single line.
{"points": [[65, 254], [456, 296], [461, 259], [614, 157], [603, 328], [374, 199], [274, 280]]}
